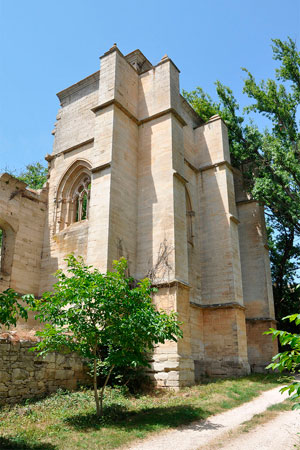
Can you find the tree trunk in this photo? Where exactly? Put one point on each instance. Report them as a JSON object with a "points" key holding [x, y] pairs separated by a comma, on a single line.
{"points": [[96, 390], [103, 387]]}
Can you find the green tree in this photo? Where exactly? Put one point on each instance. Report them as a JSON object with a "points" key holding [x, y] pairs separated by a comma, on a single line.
{"points": [[269, 159], [12, 307], [106, 318], [34, 175], [288, 360]]}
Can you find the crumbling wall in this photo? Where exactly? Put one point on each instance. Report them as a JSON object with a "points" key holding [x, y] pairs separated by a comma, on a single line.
{"points": [[24, 375]]}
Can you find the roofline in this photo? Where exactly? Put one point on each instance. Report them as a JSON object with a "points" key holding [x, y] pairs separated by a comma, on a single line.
{"points": [[77, 86]]}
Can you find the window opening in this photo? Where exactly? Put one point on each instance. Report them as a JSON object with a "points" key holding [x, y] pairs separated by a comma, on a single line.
{"points": [[73, 196], [82, 200], [189, 218]]}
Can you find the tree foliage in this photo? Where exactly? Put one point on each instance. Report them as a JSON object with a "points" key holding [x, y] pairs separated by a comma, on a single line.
{"points": [[269, 159], [35, 175], [106, 318], [288, 360], [12, 307]]}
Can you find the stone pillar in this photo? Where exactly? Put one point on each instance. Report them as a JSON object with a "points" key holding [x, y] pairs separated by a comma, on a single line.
{"points": [[162, 246], [172, 364], [113, 219], [224, 325], [257, 284]]}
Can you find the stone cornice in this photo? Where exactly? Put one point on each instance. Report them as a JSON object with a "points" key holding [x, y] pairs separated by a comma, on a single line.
{"points": [[180, 177], [209, 166], [118, 105], [242, 202], [191, 166], [234, 219], [101, 167], [231, 305], [142, 121], [78, 86], [75, 147], [163, 113], [261, 319], [68, 150], [25, 193], [214, 165], [212, 119], [176, 283]]}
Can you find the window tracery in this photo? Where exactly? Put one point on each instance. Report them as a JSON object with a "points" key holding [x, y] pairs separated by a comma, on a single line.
{"points": [[73, 196], [82, 199]]}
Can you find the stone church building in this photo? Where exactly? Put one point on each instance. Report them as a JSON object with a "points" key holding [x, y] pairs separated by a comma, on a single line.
{"points": [[135, 172]]}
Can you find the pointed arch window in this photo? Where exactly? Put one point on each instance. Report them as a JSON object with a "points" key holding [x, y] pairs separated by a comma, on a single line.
{"points": [[73, 195], [81, 199]]}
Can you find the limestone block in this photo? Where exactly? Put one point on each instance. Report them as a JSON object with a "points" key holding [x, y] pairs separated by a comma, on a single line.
{"points": [[161, 376], [173, 375], [4, 376], [49, 358], [19, 374]]}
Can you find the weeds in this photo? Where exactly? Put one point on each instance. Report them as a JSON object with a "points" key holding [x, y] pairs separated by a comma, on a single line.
{"points": [[67, 421]]}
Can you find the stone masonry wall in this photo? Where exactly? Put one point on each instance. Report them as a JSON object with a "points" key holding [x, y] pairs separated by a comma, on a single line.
{"points": [[24, 375]]}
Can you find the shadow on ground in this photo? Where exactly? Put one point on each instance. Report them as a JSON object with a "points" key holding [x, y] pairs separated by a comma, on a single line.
{"points": [[146, 419], [7, 443]]}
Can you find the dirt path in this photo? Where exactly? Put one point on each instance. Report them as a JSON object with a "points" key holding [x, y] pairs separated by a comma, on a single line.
{"points": [[280, 433], [202, 433]]}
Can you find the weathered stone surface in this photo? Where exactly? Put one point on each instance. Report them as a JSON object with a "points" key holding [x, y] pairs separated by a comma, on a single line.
{"points": [[161, 191], [23, 378]]}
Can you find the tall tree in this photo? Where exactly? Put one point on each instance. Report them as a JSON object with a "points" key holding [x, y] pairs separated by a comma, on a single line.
{"points": [[269, 159], [107, 318]]}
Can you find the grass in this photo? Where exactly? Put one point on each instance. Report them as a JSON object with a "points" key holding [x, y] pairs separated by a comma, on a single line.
{"points": [[67, 421]]}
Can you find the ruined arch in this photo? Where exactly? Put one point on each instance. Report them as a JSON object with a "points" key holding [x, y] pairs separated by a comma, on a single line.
{"points": [[73, 195], [7, 249]]}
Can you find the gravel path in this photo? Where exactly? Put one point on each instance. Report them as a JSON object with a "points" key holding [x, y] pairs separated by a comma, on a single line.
{"points": [[199, 434], [280, 433]]}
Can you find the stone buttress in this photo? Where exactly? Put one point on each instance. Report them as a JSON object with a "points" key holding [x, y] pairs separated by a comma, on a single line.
{"points": [[135, 172]]}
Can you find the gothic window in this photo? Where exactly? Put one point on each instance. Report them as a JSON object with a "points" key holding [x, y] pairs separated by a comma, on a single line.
{"points": [[73, 196], [81, 199], [189, 218]]}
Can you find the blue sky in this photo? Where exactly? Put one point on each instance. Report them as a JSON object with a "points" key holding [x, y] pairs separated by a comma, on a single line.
{"points": [[48, 45]]}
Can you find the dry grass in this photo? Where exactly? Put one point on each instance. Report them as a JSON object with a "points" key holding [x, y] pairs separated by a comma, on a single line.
{"points": [[67, 421]]}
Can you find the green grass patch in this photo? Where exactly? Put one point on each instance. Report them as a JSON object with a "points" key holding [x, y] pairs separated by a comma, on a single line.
{"points": [[67, 421]]}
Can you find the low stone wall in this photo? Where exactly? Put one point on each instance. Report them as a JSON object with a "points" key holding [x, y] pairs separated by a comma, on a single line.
{"points": [[23, 374]]}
